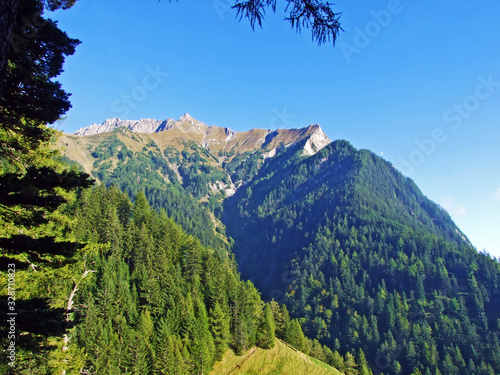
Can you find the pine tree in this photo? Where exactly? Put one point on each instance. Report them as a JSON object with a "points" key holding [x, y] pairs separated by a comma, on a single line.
{"points": [[141, 351], [219, 326], [471, 367], [266, 330], [328, 355], [281, 318], [338, 361], [32, 183], [412, 354], [164, 362], [350, 367], [202, 348], [35, 231], [448, 368], [141, 212], [295, 337], [362, 366]]}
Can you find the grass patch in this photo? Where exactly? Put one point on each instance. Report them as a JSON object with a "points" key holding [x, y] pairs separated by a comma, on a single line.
{"points": [[279, 360]]}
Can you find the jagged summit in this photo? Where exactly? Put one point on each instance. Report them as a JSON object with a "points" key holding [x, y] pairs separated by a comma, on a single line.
{"points": [[217, 138], [186, 116], [316, 141], [137, 126], [185, 123]]}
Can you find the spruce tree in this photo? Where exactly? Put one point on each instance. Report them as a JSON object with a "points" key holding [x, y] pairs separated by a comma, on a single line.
{"points": [[338, 361], [203, 348], [281, 318], [32, 183], [35, 233], [350, 367], [219, 326], [363, 368], [266, 330], [295, 337]]}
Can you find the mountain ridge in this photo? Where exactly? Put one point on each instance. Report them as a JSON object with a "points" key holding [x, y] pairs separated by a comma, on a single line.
{"points": [[213, 137]]}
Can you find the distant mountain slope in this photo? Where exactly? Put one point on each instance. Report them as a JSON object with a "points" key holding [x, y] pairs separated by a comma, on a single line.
{"points": [[365, 260], [280, 210], [185, 167]]}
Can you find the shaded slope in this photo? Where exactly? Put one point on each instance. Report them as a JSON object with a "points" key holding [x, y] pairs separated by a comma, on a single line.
{"points": [[365, 260], [278, 212]]}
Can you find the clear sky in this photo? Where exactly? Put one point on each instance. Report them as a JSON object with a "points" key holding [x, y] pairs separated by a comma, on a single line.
{"points": [[416, 82]]}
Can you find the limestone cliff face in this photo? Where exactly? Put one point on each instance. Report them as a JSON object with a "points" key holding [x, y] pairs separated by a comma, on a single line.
{"points": [[140, 126], [214, 138]]}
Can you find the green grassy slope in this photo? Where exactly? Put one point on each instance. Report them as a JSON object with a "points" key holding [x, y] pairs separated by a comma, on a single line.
{"points": [[282, 359]]}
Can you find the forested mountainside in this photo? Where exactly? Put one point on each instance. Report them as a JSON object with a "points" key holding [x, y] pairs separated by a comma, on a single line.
{"points": [[101, 285], [136, 294], [355, 251], [364, 260], [187, 168], [161, 302]]}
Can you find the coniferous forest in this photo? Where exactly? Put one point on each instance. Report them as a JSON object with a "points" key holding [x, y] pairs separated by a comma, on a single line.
{"points": [[132, 253], [368, 262]]}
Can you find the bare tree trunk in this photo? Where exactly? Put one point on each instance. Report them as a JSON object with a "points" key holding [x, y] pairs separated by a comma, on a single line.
{"points": [[69, 306], [8, 14]]}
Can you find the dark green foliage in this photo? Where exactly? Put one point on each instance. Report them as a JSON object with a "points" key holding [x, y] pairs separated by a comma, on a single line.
{"points": [[243, 167], [30, 97], [366, 261], [266, 329], [366, 264], [29, 194], [318, 16], [34, 186], [155, 300], [160, 301], [150, 171], [31, 183]]}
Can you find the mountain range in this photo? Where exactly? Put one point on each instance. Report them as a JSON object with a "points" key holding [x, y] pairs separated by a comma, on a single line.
{"points": [[214, 138], [351, 246]]}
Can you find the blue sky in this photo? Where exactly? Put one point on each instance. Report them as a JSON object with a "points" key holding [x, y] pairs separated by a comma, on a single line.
{"points": [[415, 82]]}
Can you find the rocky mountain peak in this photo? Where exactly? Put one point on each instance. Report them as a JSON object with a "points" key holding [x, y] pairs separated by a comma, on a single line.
{"points": [[217, 138], [147, 125], [317, 140], [186, 116], [189, 124]]}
